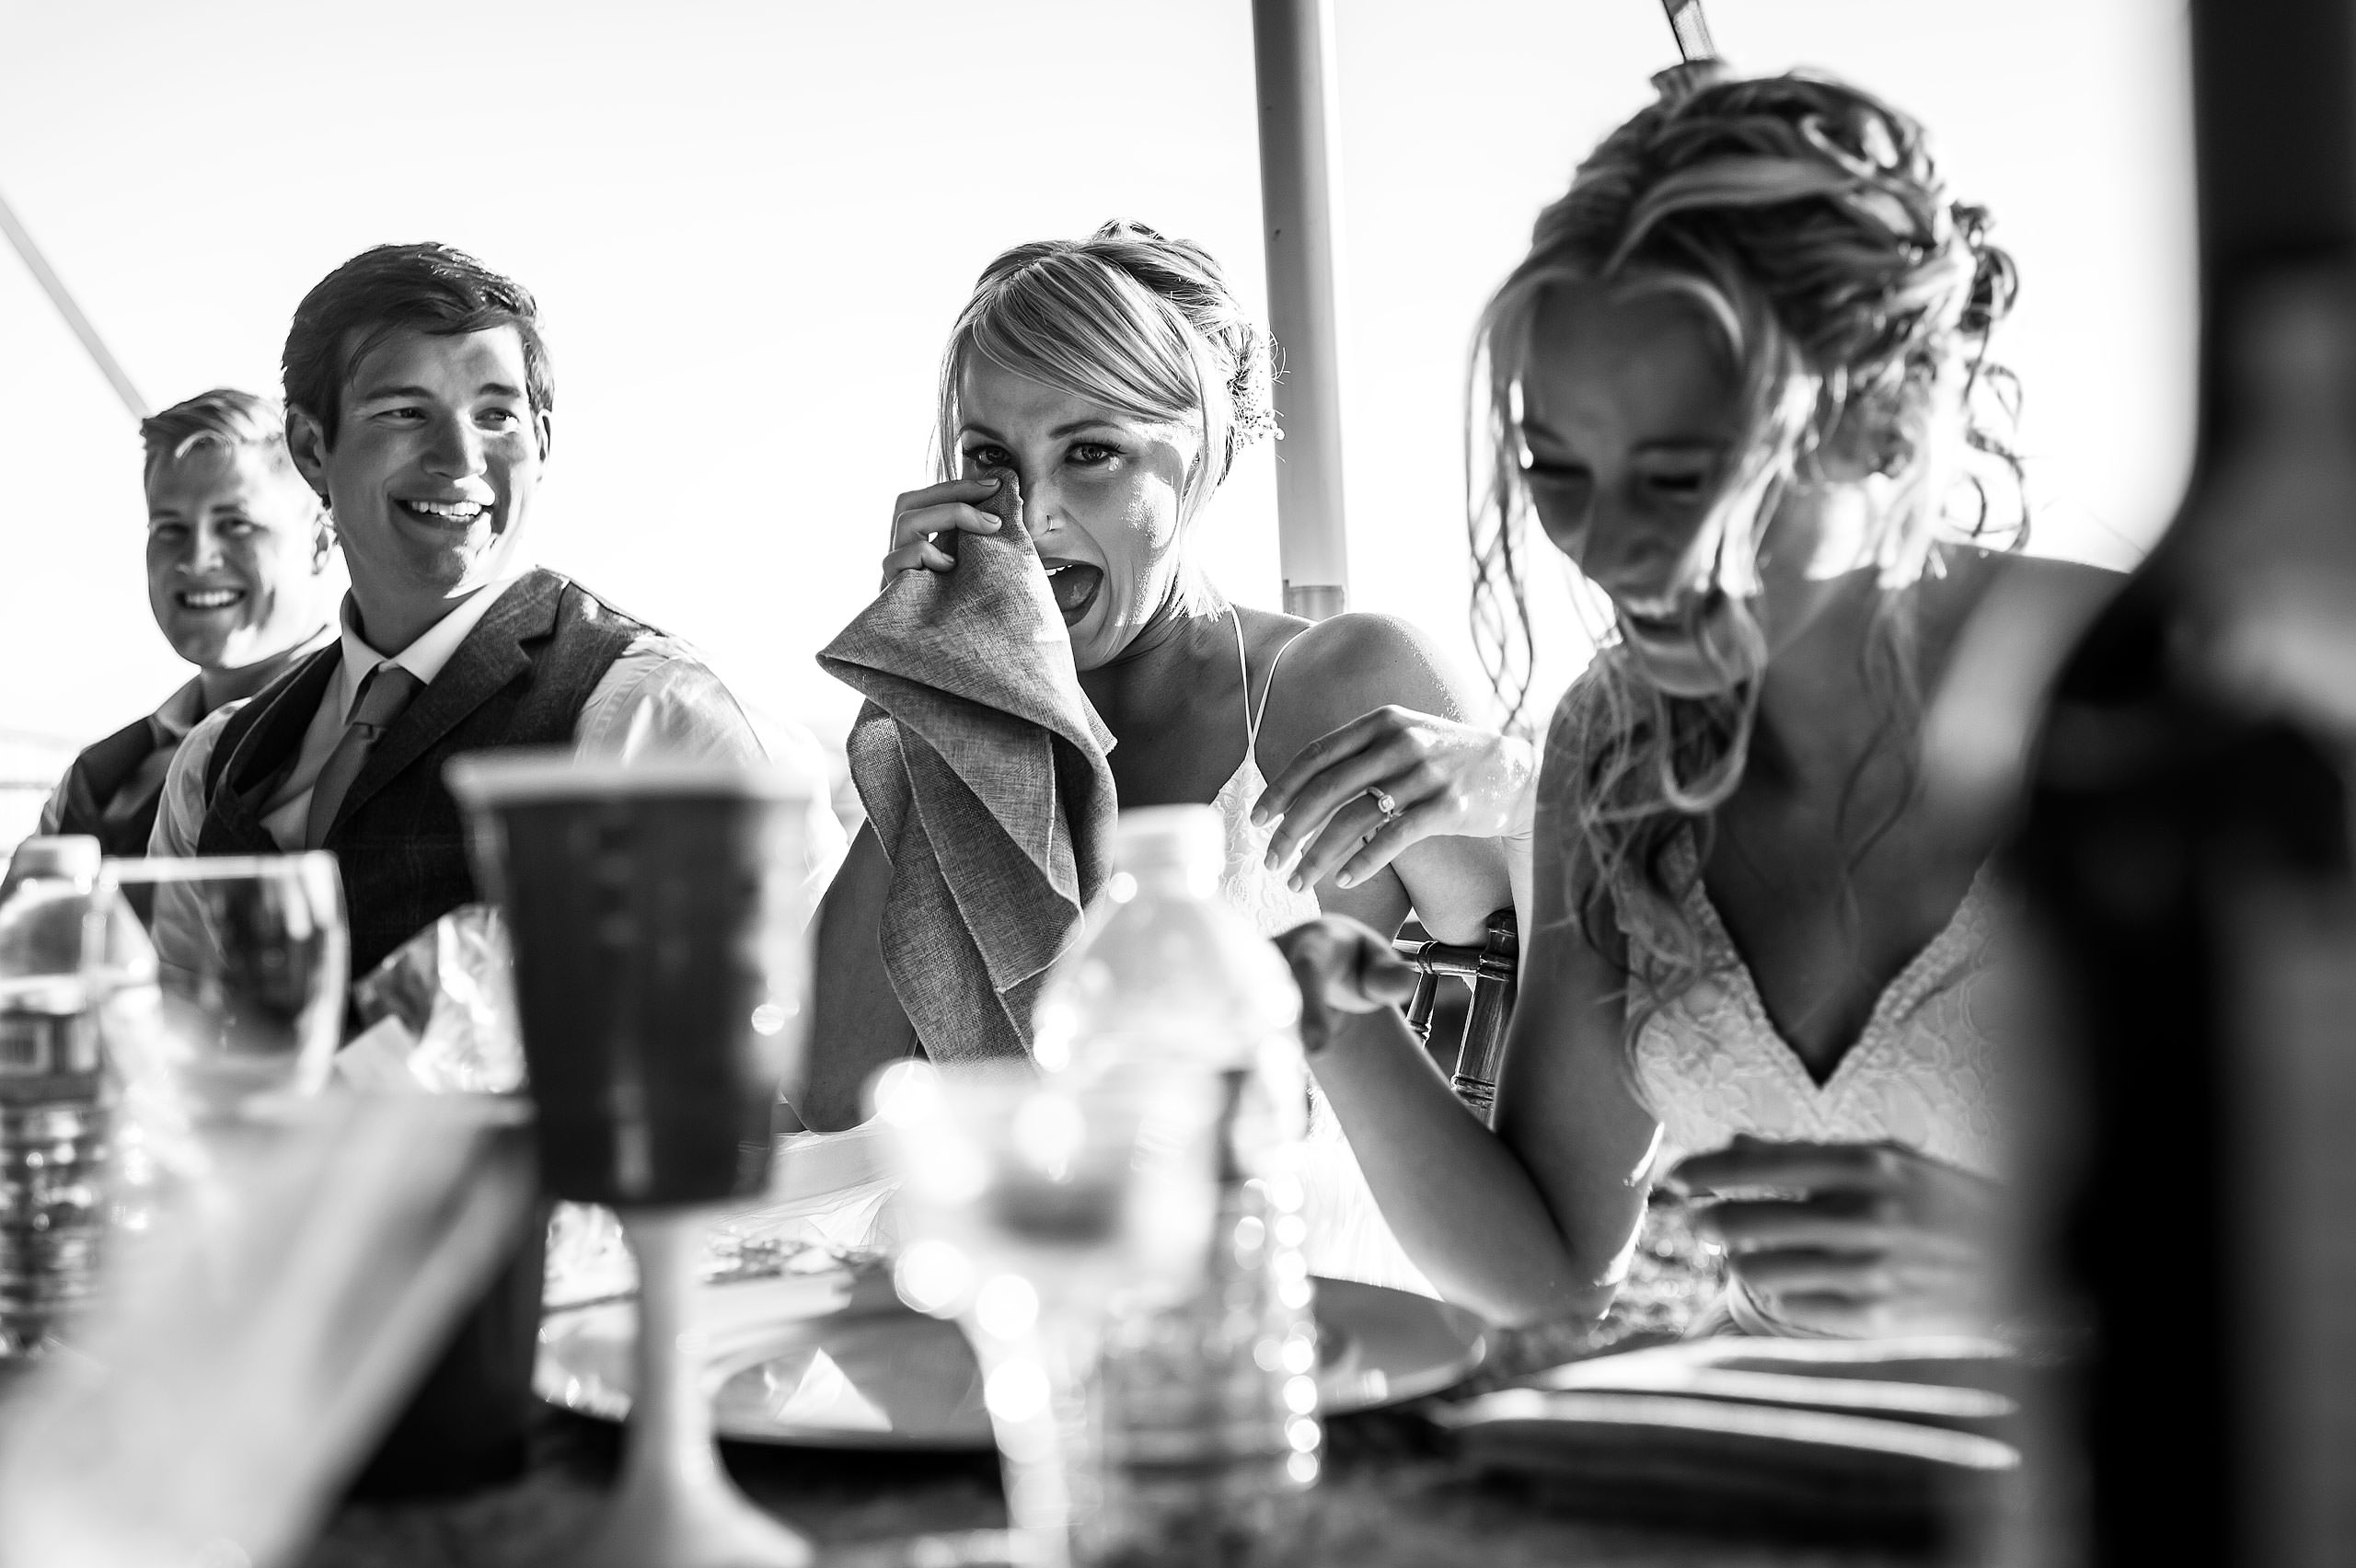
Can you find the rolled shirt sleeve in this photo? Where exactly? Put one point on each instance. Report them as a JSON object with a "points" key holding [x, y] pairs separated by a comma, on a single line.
{"points": [[661, 700]]}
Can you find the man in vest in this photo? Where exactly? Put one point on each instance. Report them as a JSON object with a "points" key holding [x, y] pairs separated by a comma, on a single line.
{"points": [[240, 579], [418, 406], [419, 398]]}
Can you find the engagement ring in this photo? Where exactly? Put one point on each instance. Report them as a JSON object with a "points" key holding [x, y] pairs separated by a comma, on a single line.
{"points": [[1383, 802]]}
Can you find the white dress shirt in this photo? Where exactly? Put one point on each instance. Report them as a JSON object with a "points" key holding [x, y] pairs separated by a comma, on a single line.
{"points": [[170, 723], [659, 699]]}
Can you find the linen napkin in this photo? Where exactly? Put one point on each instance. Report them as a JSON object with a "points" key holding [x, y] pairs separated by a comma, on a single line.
{"points": [[982, 765]]}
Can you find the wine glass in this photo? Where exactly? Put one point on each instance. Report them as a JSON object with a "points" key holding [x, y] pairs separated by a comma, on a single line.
{"points": [[657, 918], [233, 998], [1028, 1208]]}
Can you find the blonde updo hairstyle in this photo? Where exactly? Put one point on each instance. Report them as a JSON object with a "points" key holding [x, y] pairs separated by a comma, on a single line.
{"points": [[1806, 221], [1135, 322]]}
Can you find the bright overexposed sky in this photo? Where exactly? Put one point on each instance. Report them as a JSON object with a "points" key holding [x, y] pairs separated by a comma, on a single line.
{"points": [[750, 222]]}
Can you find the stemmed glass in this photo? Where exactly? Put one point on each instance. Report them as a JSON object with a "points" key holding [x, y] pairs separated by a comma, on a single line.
{"points": [[1028, 1208], [657, 916]]}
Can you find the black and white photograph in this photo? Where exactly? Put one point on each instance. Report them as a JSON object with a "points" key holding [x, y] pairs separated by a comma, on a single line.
{"points": [[1242, 784]]}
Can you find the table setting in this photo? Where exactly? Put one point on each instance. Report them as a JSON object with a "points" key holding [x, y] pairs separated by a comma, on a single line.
{"points": [[968, 1330]]}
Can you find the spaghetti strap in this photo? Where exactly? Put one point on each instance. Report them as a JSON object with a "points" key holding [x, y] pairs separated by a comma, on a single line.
{"points": [[1243, 663], [1251, 721]]}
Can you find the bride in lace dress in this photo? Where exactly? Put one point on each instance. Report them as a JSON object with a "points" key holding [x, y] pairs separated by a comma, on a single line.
{"points": [[1733, 382]]}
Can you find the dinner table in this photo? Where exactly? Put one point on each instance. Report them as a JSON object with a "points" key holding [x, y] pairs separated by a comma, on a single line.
{"points": [[1399, 1487], [1391, 1498], [1395, 1492]]}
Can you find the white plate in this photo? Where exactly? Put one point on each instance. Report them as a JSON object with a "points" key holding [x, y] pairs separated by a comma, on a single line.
{"points": [[796, 1360]]}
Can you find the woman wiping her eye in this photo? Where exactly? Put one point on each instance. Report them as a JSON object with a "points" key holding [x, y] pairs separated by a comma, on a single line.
{"points": [[1115, 379], [1735, 382]]}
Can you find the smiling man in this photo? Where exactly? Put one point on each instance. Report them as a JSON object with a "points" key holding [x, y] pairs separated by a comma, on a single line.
{"points": [[420, 409], [418, 399], [240, 577]]}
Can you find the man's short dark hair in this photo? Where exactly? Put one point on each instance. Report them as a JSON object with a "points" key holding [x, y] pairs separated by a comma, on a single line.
{"points": [[432, 289]]}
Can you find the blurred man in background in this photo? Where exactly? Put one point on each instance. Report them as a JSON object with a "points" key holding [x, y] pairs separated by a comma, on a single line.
{"points": [[242, 579]]}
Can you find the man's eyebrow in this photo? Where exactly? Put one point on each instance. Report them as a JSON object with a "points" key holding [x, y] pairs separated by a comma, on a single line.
{"points": [[426, 394], [375, 393]]}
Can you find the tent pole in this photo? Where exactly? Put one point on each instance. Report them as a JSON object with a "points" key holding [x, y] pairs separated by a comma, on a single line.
{"points": [[55, 287], [1293, 60], [1693, 31]]}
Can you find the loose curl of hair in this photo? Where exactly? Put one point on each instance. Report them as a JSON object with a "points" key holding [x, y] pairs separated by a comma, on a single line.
{"points": [[1807, 220], [1131, 320]]}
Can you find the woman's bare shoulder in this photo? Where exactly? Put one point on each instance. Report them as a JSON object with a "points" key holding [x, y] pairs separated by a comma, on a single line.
{"points": [[1336, 670], [1973, 575], [1993, 670]]}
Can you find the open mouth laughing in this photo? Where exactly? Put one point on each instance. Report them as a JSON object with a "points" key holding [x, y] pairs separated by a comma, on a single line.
{"points": [[1675, 620], [1075, 584]]}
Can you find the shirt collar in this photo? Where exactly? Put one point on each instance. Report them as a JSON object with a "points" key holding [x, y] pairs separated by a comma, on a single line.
{"points": [[185, 708], [179, 713], [423, 658]]}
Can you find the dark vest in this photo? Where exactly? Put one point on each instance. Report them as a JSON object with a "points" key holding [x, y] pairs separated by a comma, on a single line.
{"points": [[519, 679], [112, 794]]}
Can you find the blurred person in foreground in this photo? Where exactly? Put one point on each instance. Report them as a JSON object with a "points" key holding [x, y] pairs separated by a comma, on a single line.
{"points": [[1734, 381], [241, 578], [260, 1335]]}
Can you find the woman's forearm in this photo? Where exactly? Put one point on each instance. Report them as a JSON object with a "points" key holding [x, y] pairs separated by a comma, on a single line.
{"points": [[1459, 1201]]}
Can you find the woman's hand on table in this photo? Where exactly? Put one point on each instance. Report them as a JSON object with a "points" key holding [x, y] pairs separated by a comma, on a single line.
{"points": [[951, 507], [1342, 968], [1853, 1239], [1443, 778]]}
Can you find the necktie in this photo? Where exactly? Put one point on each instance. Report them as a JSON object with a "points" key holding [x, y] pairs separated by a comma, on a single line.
{"points": [[384, 693]]}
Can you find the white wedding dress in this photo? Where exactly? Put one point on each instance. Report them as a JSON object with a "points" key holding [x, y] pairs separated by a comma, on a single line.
{"points": [[1923, 1073]]}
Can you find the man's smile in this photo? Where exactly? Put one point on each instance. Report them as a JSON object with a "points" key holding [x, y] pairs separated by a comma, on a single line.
{"points": [[206, 599], [441, 513]]}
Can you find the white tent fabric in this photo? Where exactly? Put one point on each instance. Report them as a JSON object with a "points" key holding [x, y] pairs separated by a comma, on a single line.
{"points": [[751, 224]]}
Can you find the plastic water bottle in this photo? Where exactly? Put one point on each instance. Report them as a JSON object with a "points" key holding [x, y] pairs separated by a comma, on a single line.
{"points": [[56, 1109], [1208, 1407]]}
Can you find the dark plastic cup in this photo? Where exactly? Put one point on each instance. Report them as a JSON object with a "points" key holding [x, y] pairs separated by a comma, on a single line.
{"points": [[658, 917]]}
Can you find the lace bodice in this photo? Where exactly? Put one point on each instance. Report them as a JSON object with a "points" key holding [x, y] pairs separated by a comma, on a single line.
{"points": [[1251, 889], [1711, 1064]]}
